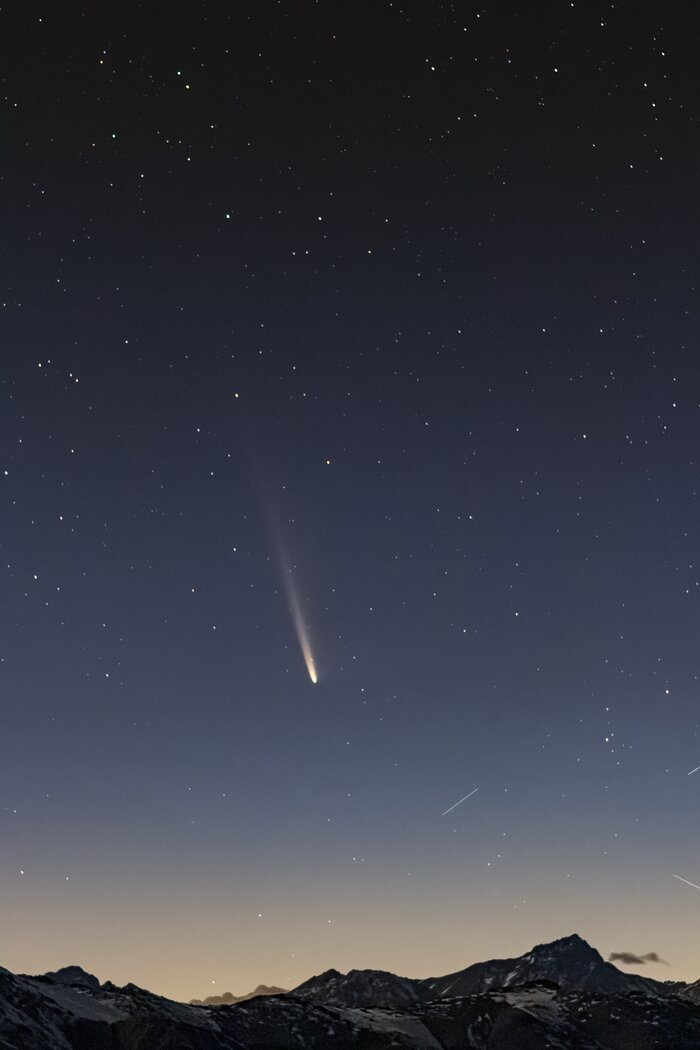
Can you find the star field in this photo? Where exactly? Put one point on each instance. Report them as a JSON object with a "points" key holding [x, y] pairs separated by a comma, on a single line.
{"points": [[362, 343]]}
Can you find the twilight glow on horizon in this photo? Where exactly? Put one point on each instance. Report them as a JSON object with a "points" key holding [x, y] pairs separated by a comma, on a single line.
{"points": [[426, 277]]}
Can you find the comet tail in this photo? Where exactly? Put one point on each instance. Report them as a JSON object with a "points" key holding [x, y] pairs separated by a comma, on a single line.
{"points": [[299, 625]]}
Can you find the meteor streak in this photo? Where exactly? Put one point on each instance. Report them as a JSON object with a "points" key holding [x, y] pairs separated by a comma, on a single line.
{"points": [[460, 802], [694, 770], [681, 879]]}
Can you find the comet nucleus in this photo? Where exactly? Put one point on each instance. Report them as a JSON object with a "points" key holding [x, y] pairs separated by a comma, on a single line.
{"points": [[299, 625]]}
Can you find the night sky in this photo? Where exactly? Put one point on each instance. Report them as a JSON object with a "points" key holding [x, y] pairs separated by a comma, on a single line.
{"points": [[355, 341]]}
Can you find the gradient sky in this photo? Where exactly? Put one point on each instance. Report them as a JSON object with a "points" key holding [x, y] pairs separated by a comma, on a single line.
{"points": [[387, 314]]}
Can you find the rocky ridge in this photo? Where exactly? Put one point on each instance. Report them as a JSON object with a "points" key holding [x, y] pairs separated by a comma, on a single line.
{"points": [[560, 995]]}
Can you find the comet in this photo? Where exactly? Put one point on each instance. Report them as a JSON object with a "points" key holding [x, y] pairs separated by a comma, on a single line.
{"points": [[302, 631], [288, 581], [298, 621]]}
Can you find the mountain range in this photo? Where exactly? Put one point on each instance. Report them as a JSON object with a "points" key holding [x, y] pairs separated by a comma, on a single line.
{"points": [[228, 998], [560, 995]]}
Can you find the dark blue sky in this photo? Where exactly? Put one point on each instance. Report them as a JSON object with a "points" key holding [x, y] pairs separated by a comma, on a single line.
{"points": [[391, 312]]}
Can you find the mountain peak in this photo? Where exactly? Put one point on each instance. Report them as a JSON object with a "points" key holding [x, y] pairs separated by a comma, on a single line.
{"points": [[359, 988], [534, 1000], [75, 976], [267, 989], [569, 947], [229, 999], [569, 962], [573, 941]]}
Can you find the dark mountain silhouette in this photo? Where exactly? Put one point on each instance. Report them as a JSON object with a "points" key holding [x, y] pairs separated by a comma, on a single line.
{"points": [[361, 988], [562, 995], [569, 962], [228, 998]]}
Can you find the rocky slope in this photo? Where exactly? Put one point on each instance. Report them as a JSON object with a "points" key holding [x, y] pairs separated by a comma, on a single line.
{"points": [[584, 1004], [569, 962]]}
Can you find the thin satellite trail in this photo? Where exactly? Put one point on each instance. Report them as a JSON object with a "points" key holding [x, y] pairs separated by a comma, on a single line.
{"points": [[681, 879], [694, 770], [460, 802]]}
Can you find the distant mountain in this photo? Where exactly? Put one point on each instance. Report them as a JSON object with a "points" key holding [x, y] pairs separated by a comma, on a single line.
{"points": [[74, 976], [228, 998], [560, 995], [361, 988], [569, 963]]}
